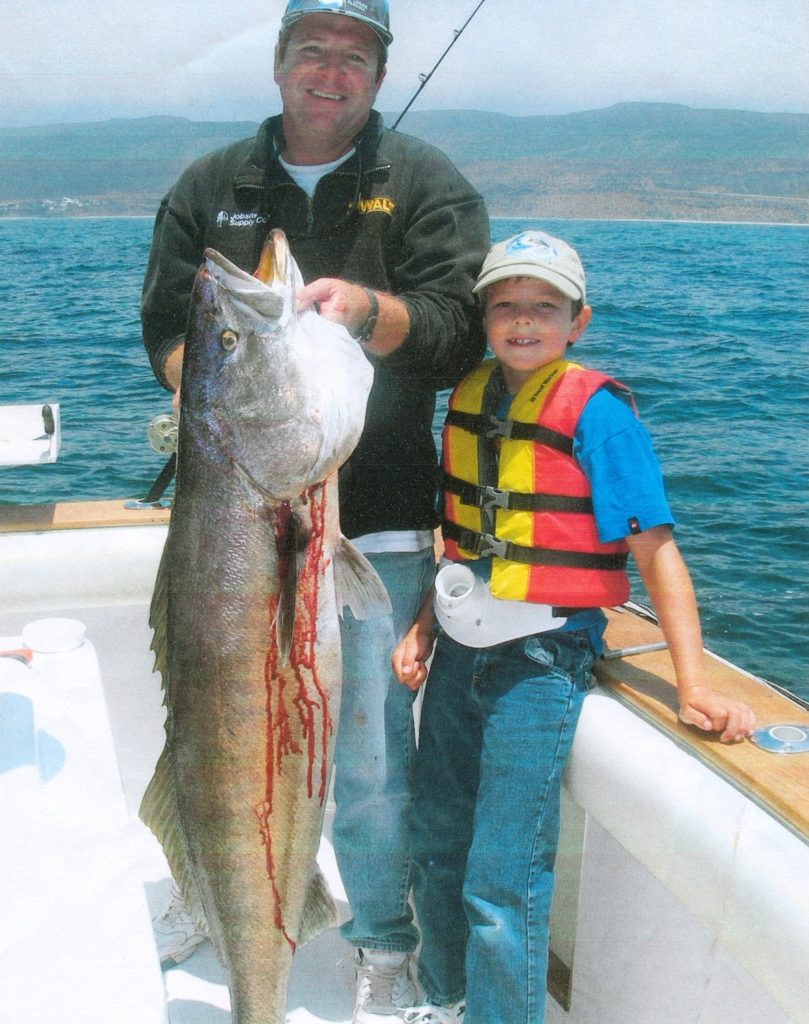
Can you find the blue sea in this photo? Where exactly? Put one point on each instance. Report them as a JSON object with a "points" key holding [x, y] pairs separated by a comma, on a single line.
{"points": [[707, 323]]}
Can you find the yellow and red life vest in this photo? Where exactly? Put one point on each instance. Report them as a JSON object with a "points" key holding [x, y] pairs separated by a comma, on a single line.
{"points": [[514, 491]]}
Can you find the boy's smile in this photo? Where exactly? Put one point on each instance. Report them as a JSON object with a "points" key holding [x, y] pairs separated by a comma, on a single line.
{"points": [[529, 323]]}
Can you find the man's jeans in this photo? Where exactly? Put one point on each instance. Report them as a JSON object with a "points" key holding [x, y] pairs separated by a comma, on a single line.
{"points": [[374, 758], [495, 732]]}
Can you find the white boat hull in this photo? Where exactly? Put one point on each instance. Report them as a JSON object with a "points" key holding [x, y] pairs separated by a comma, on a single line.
{"points": [[679, 898]]}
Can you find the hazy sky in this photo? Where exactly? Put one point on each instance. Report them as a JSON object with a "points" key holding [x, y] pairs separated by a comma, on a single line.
{"points": [[74, 60]]}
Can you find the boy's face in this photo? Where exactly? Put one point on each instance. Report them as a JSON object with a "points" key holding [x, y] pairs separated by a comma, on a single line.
{"points": [[528, 324]]}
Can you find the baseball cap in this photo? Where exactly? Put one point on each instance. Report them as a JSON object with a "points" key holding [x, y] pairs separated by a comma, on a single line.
{"points": [[535, 254], [371, 12]]}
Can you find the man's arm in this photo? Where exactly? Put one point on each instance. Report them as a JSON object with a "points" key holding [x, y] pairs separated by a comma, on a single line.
{"points": [[174, 259], [428, 327]]}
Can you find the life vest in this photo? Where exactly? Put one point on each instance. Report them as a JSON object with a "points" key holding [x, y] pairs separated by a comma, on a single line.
{"points": [[514, 491]]}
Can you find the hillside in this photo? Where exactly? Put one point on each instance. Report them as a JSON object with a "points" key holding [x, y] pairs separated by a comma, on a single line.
{"points": [[630, 160]]}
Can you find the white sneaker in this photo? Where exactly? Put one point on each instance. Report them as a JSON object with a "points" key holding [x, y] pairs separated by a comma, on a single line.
{"points": [[429, 1014], [385, 985], [175, 932]]}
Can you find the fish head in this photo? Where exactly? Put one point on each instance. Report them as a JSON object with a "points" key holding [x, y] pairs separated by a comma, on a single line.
{"points": [[277, 393]]}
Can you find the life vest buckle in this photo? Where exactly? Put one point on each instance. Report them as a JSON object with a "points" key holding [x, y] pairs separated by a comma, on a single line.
{"points": [[494, 497], [490, 545], [498, 428]]}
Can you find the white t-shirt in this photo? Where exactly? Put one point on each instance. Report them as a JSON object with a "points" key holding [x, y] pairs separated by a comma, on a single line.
{"points": [[306, 176]]}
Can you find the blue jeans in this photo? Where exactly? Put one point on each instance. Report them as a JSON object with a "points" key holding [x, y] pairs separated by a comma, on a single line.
{"points": [[374, 759], [496, 728]]}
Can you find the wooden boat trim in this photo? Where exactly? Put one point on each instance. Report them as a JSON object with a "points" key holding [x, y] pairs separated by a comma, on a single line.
{"points": [[77, 515], [779, 783]]}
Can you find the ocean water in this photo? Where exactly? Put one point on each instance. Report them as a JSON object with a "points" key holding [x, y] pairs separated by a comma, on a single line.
{"points": [[707, 323]]}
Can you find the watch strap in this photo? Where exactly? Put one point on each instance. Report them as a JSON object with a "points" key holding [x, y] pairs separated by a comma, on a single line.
{"points": [[368, 327]]}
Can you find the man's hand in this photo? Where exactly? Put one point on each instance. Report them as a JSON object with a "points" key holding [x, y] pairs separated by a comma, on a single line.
{"points": [[341, 301], [348, 304]]}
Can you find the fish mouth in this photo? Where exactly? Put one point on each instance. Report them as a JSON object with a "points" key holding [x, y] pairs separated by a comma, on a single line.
{"points": [[270, 290], [273, 263], [267, 298]]}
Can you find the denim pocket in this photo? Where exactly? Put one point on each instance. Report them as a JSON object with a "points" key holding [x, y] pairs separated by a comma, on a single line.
{"points": [[568, 653]]}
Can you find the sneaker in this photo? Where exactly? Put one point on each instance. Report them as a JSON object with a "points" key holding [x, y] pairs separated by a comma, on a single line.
{"points": [[175, 932], [385, 985], [430, 1014]]}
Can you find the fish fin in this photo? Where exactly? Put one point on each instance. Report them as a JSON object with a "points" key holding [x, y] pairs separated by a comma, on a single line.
{"points": [[319, 910], [158, 810], [158, 620], [288, 541], [357, 583]]}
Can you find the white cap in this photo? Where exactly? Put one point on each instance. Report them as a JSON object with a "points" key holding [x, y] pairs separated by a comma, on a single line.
{"points": [[535, 254]]}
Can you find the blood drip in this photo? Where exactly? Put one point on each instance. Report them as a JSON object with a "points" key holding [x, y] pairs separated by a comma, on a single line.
{"points": [[295, 692]]}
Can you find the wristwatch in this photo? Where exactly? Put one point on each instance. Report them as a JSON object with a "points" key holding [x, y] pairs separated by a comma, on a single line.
{"points": [[368, 327]]}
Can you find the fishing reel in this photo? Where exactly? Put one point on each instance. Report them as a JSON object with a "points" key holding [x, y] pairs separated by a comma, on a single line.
{"points": [[162, 433]]}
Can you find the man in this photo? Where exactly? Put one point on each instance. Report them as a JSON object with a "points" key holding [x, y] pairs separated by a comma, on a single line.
{"points": [[389, 238]]}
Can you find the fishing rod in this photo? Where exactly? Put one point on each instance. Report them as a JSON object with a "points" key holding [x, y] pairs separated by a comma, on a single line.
{"points": [[424, 79]]}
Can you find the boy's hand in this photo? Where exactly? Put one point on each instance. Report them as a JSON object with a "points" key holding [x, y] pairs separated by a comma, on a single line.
{"points": [[409, 657], [713, 712]]}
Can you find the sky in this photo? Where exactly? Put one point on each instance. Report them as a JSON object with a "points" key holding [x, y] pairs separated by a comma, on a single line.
{"points": [[83, 60]]}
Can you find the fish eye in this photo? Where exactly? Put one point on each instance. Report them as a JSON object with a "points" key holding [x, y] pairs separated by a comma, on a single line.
{"points": [[228, 339]]}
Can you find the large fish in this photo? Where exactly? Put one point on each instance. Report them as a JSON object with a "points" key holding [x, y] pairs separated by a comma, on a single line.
{"points": [[245, 616]]}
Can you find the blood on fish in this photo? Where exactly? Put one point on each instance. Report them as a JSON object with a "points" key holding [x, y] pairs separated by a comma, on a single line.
{"points": [[308, 695]]}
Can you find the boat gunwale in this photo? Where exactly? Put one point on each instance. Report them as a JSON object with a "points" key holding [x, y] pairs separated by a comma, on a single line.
{"points": [[644, 683]]}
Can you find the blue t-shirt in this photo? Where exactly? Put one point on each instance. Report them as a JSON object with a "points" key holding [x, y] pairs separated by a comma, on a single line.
{"points": [[615, 451]]}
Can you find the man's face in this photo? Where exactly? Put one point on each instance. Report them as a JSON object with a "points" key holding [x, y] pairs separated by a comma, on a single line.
{"points": [[328, 77]]}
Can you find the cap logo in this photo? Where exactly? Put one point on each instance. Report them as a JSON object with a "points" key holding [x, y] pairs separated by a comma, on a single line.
{"points": [[533, 245]]}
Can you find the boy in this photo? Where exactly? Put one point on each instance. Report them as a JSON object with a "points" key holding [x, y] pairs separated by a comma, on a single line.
{"points": [[550, 481]]}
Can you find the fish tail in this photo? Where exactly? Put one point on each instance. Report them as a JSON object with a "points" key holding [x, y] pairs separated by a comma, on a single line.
{"points": [[357, 583]]}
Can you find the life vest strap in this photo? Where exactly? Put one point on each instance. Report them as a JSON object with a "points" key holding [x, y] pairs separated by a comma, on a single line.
{"points": [[484, 545], [489, 498], [514, 430]]}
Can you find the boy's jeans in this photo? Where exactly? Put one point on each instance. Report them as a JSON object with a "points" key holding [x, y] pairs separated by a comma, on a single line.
{"points": [[374, 757], [496, 728]]}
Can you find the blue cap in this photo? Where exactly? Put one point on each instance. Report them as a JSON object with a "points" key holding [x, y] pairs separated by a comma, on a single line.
{"points": [[372, 12]]}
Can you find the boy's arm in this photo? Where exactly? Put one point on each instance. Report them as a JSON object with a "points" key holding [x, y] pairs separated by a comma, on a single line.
{"points": [[668, 584], [413, 650]]}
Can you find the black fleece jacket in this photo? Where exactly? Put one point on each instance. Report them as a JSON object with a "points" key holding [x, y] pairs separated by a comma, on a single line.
{"points": [[397, 217]]}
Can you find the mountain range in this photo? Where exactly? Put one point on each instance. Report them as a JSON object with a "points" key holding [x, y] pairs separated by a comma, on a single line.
{"points": [[631, 160]]}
